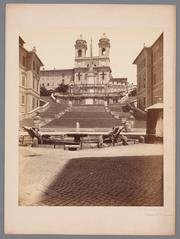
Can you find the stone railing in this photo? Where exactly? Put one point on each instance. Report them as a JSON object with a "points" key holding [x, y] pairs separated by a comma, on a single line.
{"points": [[52, 97], [33, 112]]}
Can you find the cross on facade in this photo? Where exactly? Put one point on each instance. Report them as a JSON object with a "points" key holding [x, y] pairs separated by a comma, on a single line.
{"points": [[79, 75], [103, 75]]}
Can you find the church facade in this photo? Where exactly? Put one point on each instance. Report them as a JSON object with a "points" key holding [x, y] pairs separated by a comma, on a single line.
{"points": [[90, 81]]}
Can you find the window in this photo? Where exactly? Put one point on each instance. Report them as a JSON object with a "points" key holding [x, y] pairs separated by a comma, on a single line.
{"points": [[22, 100], [143, 62], [154, 56], [139, 83], [144, 83], [154, 75], [37, 103], [103, 51], [144, 101], [34, 65], [24, 61], [79, 53], [23, 81], [33, 103], [154, 78], [47, 84], [37, 70], [37, 85], [33, 83]]}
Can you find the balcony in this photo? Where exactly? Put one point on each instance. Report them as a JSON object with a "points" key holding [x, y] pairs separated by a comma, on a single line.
{"points": [[89, 95], [88, 86]]}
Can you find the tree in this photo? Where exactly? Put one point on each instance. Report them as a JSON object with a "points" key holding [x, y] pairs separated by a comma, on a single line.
{"points": [[133, 92], [62, 88], [44, 91]]}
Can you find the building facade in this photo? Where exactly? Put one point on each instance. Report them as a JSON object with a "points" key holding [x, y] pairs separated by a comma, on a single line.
{"points": [[51, 79], [90, 81], [150, 74], [29, 79]]}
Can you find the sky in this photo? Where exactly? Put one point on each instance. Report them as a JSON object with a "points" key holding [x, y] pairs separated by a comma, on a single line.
{"points": [[53, 29]]}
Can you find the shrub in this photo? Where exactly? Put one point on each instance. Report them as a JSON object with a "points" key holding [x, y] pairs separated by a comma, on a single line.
{"points": [[62, 88], [45, 92]]}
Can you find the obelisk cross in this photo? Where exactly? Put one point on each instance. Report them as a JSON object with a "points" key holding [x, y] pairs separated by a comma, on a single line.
{"points": [[79, 76], [103, 75]]}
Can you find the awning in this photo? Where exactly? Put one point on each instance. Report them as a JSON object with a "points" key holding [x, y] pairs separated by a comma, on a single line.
{"points": [[155, 106]]}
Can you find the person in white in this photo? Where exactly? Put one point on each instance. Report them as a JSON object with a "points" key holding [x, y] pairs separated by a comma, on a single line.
{"points": [[159, 125]]}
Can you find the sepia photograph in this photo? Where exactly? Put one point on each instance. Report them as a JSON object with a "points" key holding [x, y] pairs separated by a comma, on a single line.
{"points": [[93, 103]]}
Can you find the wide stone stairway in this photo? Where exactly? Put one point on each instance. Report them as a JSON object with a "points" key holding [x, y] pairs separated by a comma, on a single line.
{"points": [[49, 114], [88, 116], [53, 110]]}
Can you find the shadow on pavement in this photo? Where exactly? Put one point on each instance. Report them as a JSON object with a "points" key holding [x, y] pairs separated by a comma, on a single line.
{"points": [[108, 181]]}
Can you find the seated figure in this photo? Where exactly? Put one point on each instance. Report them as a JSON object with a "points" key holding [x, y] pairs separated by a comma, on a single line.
{"points": [[113, 136], [33, 133]]}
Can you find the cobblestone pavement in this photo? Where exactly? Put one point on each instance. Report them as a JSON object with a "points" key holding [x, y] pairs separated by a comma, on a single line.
{"points": [[92, 181]]}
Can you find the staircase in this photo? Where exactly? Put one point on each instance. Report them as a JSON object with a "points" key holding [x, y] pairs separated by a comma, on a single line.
{"points": [[88, 117], [53, 111]]}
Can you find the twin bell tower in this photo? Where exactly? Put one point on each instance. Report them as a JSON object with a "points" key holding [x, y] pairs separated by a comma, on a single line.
{"points": [[81, 47]]}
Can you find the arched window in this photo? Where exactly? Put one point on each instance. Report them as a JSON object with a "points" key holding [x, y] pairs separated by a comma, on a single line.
{"points": [[23, 81], [103, 51], [23, 101], [79, 53]]}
